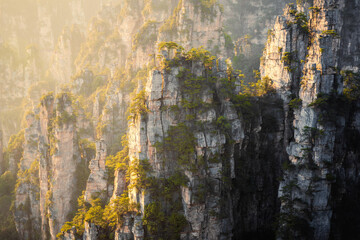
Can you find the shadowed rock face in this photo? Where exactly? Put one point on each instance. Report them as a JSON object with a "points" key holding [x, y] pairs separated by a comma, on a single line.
{"points": [[241, 183], [97, 181], [307, 65]]}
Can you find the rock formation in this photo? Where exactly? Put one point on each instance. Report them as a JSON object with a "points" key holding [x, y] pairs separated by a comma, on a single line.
{"points": [[313, 66], [153, 137], [97, 182], [27, 211]]}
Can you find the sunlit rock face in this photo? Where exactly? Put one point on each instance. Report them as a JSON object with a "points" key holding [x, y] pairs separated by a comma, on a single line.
{"points": [[45, 194], [97, 181], [163, 90], [307, 64], [215, 157], [64, 162]]}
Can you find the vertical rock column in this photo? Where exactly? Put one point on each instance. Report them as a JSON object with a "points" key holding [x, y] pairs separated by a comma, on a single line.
{"points": [[46, 118], [202, 194], [97, 181], [301, 58], [64, 162], [27, 211]]}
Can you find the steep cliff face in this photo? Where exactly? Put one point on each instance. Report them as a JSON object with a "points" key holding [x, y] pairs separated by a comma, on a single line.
{"points": [[254, 190], [193, 132], [63, 164], [97, 181], [164, 116], [46, 118], [27, 212], [316, 76], [168, 142], [48, 186]]}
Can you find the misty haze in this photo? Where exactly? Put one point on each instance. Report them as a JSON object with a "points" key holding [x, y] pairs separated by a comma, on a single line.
{"points": [[179, 119]]}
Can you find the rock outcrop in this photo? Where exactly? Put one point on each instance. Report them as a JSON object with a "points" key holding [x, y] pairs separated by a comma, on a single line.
{"points": [[310, 60], [212, 151], [47, 112], [27, 211], [63, 165], [45, 192], [97, 181]]}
